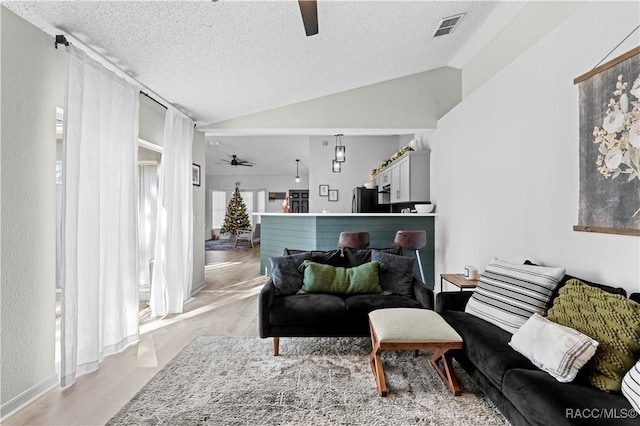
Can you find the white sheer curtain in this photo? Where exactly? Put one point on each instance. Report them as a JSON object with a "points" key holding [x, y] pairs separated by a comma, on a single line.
{"points": [[147, 216], [172, 268], [99, 225]]}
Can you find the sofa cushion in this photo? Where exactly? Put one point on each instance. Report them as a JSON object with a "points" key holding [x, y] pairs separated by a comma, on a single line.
{"points": [[509, 293], [486, 346], [396, 273], [287, 278], [611, 319], [359, 305], [308, 309], [356, 257], [319, 278], [542, 400], [631, 386], [560, 351], [326, 257]]}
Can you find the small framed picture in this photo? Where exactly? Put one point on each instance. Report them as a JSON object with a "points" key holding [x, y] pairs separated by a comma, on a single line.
{"points": [[324, 190], [333, 195], [195, 174]]}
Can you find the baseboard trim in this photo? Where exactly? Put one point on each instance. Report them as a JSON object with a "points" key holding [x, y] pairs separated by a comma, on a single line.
{"points": [[27, 397], [198, 288]]}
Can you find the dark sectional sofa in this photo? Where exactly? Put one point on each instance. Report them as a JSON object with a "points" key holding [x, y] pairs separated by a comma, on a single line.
{"points": [[331, 315], [522, 392]]}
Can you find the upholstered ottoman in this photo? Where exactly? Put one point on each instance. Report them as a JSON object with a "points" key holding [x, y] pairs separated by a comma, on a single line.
{"points": [[413, 329]]}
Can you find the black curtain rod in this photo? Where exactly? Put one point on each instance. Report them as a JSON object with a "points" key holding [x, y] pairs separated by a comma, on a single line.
{"points": [[61, 39], [160, 103], [154, 100]]}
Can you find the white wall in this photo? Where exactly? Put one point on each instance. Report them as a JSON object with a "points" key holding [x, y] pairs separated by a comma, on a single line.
{"points": [[533, 22], [199, 212], [364, 153], [505, 160], [33, 80], [412, 102], [151, 128]]}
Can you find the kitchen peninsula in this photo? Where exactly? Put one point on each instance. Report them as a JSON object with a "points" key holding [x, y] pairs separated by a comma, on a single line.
{"points": [[320, 231]]}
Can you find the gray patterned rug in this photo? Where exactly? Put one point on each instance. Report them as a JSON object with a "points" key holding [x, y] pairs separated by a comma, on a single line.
{"points": [[314, 381]]}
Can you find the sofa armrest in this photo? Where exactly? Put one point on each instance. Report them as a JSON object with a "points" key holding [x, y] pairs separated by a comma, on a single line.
{"points": [[422, 294], [265, 299], [452, 300]]}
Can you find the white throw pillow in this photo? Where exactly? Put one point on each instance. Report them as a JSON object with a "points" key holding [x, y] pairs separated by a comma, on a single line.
{"points": [[509, 293], [560, 351], [631, 386]]}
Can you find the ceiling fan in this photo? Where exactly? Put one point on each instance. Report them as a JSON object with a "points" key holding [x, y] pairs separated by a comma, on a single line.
{"points": [[309, 12], [235, 161]]}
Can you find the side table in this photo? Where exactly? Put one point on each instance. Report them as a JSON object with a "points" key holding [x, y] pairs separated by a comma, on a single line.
{"points": [[458, 280]]}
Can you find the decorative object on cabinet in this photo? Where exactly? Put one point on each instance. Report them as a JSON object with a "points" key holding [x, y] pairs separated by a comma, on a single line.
{"points": [[424, 208], [391, 159], [324, 190], [333, 195], [609, 142], [195, 174]]}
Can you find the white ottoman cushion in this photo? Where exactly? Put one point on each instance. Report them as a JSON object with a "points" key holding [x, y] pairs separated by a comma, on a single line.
{"points": [[411, 325]]}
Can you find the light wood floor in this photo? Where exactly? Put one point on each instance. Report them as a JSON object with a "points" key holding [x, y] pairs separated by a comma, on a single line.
{"points": [[226, 306]]}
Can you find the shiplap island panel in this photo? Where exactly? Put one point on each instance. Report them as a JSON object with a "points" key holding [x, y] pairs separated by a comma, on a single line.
{"points": [[320, 231]]}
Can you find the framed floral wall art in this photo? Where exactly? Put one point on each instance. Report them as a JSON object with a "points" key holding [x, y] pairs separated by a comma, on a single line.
{"points": [[609, 104]]}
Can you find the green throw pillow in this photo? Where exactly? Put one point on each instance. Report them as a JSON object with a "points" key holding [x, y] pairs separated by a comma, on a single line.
{"points": [[610, 319], [319, 278]]}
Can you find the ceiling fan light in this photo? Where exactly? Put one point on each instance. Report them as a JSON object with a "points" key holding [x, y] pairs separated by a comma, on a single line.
{"points": [[336, 166]]}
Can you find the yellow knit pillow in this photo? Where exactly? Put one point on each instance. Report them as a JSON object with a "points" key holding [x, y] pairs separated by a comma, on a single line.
{"points": [[611, 319]]}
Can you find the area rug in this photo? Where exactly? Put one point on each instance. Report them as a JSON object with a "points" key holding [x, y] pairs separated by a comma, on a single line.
{"points": [[314, 381], [227, 245]]}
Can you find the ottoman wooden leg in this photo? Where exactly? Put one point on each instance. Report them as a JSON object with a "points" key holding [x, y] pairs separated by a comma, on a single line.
{"points": [[376, 364], [276, 346], [441, 361], [378, 372]]}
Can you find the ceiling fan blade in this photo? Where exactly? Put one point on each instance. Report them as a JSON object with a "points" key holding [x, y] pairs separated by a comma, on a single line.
{"points": [[246, 165], [309, 12]]}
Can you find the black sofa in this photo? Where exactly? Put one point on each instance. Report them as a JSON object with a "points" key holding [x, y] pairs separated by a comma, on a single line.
{"points": [[330, 315], [522, 392]]}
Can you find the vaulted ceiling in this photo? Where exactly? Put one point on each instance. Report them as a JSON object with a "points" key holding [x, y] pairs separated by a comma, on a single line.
{"points": [[218, 60]]}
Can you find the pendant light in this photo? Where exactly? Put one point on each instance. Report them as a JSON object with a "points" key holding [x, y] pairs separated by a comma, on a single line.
{"points": [[341, 151], [336, 166], [297, 171]]}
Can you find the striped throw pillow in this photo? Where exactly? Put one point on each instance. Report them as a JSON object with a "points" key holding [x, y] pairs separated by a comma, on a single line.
{"points": [[560, 351], [631, 386], [508, 294]]}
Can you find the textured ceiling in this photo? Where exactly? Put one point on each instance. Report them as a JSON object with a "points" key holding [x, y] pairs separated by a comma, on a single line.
{"points": [[225, 59]]}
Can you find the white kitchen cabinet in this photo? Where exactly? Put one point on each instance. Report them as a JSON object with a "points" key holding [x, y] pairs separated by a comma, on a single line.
{"points": [[408, 178]]}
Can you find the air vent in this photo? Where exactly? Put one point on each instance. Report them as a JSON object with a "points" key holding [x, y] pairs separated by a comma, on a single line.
{"points": [[447, 25]]}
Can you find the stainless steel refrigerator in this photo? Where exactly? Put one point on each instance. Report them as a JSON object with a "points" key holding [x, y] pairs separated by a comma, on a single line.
{"points": [[366, 201]]}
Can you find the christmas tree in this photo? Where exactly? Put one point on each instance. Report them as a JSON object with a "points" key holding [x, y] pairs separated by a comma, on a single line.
{"points": [[236, 216]]}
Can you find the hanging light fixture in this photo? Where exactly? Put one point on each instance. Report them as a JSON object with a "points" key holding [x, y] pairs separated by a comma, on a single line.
{"points": [[341, 151], [336, 166], [297, 171]]}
